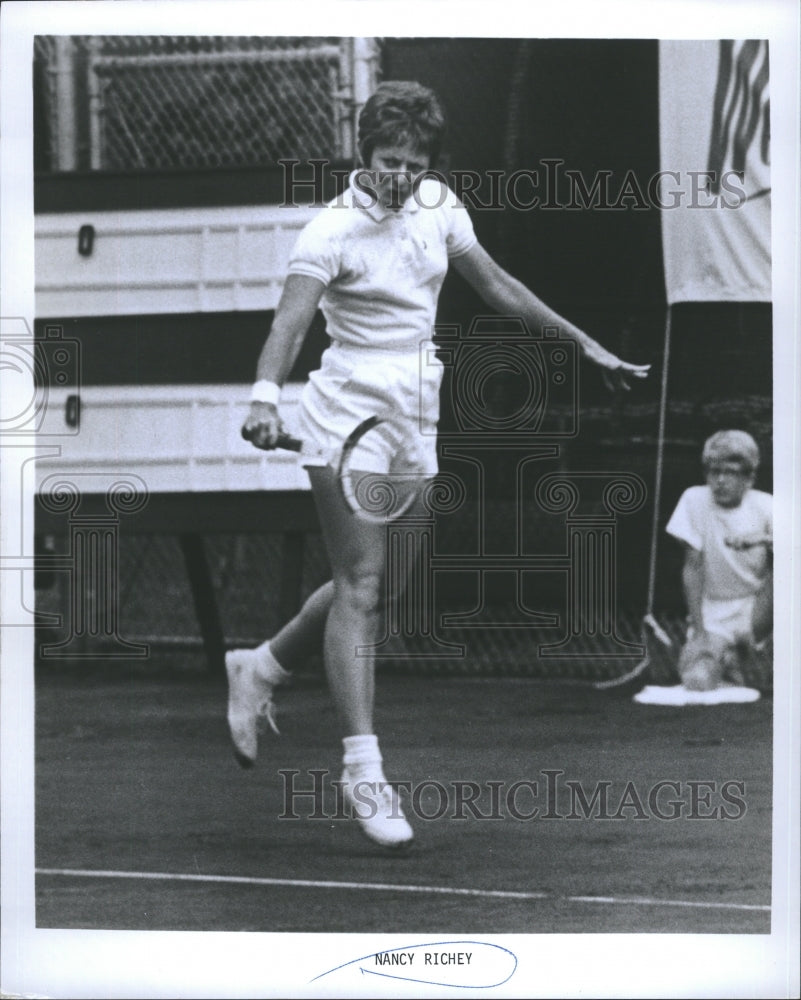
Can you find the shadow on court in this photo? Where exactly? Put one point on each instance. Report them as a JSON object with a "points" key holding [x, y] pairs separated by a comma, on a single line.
{"points": [[541, 808]]}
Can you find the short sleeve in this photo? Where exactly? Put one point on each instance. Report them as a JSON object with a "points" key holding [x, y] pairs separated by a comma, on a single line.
{"points": [[766, 511], [460, 235], [316, 252], [684, 523]]}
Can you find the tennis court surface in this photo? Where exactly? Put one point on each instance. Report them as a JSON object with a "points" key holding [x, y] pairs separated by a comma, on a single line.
{"points": [[144, 821]]}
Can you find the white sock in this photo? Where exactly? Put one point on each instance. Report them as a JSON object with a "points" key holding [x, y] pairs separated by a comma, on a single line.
{"points": [[362, 758], [266, 664]]}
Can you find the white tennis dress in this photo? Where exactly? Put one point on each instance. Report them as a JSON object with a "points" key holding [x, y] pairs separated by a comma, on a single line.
{"points": [[382, 271]]}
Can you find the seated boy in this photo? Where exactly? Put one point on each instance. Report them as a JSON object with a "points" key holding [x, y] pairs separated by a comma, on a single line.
{"points": [[726, 527]]}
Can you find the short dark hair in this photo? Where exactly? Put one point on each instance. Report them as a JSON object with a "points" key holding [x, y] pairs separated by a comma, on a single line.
{"points": [[402, 111]]}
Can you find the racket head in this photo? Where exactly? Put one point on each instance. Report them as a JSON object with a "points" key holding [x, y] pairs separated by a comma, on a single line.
{"points": [[658, 646], [373, 497]]}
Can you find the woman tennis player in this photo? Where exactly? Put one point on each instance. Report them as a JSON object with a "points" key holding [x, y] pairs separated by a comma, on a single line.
{"points": [[374, 261]]}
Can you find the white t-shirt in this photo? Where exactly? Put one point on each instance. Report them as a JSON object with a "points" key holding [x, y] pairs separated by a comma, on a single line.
{"points": [[383, 269], [697, 520]]}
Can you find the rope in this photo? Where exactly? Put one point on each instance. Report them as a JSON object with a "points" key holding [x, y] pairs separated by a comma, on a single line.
{"points": [[649, 623], [660, 451]]}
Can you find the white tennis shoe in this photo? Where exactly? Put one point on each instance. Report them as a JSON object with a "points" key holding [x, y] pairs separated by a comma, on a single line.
{"points": [[250, 698], [375, 805]]}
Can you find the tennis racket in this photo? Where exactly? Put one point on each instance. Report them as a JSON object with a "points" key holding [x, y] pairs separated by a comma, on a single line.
{"points": [[357, 495], [633, 680]]}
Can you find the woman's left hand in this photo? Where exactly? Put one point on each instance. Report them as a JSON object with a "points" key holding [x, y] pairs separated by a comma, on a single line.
{"points": [[616, 373], [618, 377]]}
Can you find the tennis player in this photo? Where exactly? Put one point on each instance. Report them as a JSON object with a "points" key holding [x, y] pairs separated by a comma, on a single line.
{"points": [[374, 261]]}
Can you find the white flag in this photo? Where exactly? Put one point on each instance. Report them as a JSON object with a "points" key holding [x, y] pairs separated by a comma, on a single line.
{"points": [[714, 131]]}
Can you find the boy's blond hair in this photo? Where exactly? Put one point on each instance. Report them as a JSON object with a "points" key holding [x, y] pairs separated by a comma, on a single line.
{"points": [[731, 446]]}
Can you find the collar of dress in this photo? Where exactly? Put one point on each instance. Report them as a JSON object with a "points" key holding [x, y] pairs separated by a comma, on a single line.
{"points": [[367, 201]]}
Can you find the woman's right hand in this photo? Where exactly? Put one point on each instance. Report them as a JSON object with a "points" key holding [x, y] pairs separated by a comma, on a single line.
{"points": [[263, 426]]}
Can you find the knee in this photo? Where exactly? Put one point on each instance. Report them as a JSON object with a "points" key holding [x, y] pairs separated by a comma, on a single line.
{"points": [[701, 676], [701, 662], [362, 590]]}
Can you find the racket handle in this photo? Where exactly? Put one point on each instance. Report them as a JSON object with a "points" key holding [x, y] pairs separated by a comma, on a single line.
{"points": [[285, 441]]}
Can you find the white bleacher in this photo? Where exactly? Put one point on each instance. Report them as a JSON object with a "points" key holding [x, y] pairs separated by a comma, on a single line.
{"points": [[177, 438], [165, 261]]}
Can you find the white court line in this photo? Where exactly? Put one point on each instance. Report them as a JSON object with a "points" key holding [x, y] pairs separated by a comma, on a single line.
{"points": [[431, 890]]}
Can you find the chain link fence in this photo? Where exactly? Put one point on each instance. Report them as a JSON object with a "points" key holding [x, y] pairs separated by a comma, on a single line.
{"points": [[156, 607], [213, 105], [46, 125], [142, 102]]}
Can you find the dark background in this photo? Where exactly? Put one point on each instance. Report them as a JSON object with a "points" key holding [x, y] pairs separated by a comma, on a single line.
{"points": [[511, 104]]}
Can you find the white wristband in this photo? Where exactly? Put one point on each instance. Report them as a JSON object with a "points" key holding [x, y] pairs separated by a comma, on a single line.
{"points": [[264, 391]]}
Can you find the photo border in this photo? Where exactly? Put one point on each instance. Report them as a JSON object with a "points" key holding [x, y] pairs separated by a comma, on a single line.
{"points": [[151, 963]]}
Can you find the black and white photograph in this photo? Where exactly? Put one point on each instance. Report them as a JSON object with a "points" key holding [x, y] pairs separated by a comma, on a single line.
{"points": [[488, 684]]}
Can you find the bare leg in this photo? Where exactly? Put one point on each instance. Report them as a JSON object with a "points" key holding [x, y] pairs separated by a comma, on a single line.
{"points": [[302, 636], [356, 550], [762, 615], [357, 553]]}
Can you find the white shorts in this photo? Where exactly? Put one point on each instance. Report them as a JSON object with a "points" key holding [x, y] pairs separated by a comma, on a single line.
{"points": [[730, 619], [402, 388]]}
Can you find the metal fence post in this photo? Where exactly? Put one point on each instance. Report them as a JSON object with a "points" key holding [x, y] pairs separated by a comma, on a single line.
{"points": [[93, 86], [365, 71], [66, 138]]}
